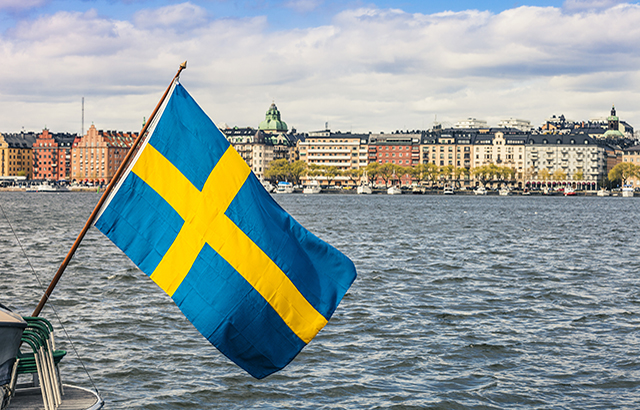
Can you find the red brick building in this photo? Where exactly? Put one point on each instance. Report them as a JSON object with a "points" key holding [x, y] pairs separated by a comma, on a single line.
{"points": [[97, 155], [401, 149], [52, 155]]}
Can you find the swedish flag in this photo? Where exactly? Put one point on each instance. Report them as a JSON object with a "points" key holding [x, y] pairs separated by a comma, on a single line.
{"points": [[190, 214]]}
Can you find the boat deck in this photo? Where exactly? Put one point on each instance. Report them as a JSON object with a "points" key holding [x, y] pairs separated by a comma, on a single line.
{"points": [[74, 398]]}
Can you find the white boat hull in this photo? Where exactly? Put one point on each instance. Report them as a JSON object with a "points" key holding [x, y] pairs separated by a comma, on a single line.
{"points": [[364, 190]]}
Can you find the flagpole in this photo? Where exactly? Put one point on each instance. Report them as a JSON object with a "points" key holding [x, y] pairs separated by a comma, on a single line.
{"points": [[103, 198]]}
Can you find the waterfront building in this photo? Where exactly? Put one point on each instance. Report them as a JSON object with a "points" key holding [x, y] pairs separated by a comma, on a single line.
{"points": [[565, 159], [449, 147], [52, 155], [259, 148], [503, 148], [341, 150], [611, 128], [271, 141], [632, 155], [399, 148], [16, 155], [97, 155]]}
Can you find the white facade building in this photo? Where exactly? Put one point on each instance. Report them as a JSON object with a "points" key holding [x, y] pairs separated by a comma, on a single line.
{"points": [[471, 123], [522, 125]]}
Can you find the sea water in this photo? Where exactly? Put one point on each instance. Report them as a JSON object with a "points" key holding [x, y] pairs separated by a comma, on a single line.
{"points": [[461, 302]]}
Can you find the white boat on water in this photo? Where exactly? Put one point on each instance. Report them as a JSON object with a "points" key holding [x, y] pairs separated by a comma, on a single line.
{"points": [[603, 192], [481, 190], [46, 187], [364, 189], [312, 187], [268, 186], [418, 189], [448, 190], [394, 190], [569, 191], [284, 187], [504, 191], [627, 192]]}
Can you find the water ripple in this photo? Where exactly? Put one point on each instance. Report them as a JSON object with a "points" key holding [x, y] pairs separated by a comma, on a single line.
{"points": [[460, 303]]}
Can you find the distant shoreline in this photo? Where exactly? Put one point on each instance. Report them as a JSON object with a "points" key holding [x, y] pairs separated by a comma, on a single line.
{"points": [[71, 189]]}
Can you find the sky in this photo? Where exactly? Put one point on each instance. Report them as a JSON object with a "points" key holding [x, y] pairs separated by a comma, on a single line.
{"points": [[359, 66]]}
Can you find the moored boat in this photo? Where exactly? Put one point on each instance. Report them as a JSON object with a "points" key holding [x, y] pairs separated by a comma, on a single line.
{"points": [[46, 187], [312, 187], [364, 189], [504, 191], [569, 191], [627, 191], [394, 190], [268, 186], [603, 192], [284, 187], [481, 190]]}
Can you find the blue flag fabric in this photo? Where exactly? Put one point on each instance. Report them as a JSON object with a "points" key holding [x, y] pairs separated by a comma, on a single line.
{"points": [[190, 214]]}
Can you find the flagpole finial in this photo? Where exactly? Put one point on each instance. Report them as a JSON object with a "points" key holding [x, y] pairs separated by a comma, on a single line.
{"points": [[183, 65]]}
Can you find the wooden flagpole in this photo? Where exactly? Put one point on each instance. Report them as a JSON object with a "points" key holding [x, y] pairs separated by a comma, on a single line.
{"points": [[105, 194]]}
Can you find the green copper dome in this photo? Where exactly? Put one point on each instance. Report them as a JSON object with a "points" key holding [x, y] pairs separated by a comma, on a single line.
{"points": [[272, 121]]}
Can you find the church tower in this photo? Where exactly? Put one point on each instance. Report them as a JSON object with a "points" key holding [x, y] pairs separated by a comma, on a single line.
{"points": [[272, 123]]}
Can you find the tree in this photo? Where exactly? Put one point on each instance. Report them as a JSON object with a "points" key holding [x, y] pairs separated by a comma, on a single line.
{"points": [[296, 170], [331, 173], [623, 171], [386, 172], [458, 173], [544, 174], [430, 173], [578, 176], [417, 173], [373, 171], [400, 171], [354, 175], [278, 170], [507, 173], [559, 175], [282, 170], [484, 173], [446, 171]]}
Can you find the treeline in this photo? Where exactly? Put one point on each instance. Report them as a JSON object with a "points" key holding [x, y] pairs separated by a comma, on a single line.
{"points": [[624, 171], [430, 174]]}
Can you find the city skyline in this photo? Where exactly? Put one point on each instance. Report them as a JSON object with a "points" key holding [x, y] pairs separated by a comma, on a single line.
{"points": [[360, 67]]}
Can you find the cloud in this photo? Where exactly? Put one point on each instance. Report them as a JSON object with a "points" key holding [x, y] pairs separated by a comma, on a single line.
{"points": [[182, 17], [369, 69], [19, 5]]}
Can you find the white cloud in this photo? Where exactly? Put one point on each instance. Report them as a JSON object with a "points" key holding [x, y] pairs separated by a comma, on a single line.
{"points": [[178, 16], [370, 69]]}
